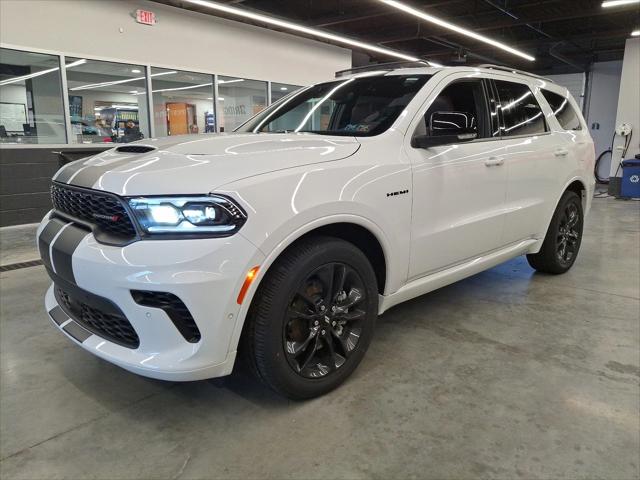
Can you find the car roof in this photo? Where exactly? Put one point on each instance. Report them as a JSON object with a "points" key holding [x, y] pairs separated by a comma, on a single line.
{"points": [[425, 68], [390, 70]]}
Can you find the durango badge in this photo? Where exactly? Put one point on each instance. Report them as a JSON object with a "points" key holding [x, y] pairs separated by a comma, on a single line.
{"points": [[111, 218]]}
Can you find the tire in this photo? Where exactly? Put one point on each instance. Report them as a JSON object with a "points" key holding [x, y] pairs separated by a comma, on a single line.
{"points": [[564, 236], [294, 340]]}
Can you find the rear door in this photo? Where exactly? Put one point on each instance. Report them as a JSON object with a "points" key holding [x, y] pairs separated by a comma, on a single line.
{"points": [[571, 133], [458, 188], [531, 151]]}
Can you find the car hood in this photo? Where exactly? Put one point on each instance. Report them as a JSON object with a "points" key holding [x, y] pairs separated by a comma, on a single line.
{"points": [[200, 163]]}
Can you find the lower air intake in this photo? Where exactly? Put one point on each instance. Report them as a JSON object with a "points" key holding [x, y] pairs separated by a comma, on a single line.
{"points": [[175, 309], [98, 315]]}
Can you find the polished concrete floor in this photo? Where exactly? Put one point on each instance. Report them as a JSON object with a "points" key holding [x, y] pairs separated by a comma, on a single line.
{"points": [[508, 374]]}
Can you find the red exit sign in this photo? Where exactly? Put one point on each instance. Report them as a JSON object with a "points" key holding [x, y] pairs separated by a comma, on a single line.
{"points": [[145, 17]]}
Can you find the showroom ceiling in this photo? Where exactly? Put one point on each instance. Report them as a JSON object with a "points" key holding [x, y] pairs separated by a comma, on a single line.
{"points": [[564, 36]]}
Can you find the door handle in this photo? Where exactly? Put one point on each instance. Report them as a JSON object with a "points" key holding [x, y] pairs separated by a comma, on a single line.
{"points": [[494, 161], [561, 152]]}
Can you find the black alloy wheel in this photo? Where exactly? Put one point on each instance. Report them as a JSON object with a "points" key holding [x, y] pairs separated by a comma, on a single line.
{"points": [[564, 235], [567, 240], [312, 317], [324, 320]]}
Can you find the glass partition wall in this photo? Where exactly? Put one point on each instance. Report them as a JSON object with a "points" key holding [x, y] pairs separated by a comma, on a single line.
{"points": [[239, 99], [107, 101], [281, 90], [31, 108], [182, 102], [50, 99]]}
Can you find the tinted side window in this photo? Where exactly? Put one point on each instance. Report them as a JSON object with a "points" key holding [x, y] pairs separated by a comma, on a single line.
{"points": [[460, 105], [520, 110], [562, 109]]}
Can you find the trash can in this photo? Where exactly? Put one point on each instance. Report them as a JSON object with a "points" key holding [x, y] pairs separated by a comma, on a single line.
{"points": [[630, 187]]}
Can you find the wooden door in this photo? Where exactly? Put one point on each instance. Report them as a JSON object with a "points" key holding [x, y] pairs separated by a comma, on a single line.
{"points": [[177, 119]]}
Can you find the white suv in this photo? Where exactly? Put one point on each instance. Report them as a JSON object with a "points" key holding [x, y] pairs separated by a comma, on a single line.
{"points": [[284, 240]]}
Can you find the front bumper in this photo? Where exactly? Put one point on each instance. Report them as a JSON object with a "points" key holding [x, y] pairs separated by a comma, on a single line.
{"points": [[205, 274]]}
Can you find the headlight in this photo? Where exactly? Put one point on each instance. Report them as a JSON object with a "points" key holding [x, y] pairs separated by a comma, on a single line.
{"points": [[209, 216]]}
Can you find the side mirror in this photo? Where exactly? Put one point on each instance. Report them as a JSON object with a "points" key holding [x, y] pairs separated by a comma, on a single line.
{"points": [[452, 123], [427, 141], [447, 128]]}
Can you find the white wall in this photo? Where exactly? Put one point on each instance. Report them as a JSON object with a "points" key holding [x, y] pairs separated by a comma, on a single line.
{"points": [[603, 103], [628, 102], [181, 39]]}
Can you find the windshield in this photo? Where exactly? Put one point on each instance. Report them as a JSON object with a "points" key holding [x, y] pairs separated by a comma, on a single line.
{"points": [[356, 107]]}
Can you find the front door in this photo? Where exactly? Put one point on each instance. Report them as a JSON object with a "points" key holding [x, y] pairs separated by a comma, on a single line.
{"points": [[458, 188]]}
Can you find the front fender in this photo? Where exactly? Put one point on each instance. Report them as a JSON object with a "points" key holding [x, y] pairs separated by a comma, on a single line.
{"points": [[284, 206]]}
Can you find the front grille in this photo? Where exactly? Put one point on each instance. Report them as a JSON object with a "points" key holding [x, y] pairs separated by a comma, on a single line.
{"points": [[106, 212], [107, 322], [175, 309]]}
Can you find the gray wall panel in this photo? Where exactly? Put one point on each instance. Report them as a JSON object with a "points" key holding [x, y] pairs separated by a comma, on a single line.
{"points": [[25, 177]]}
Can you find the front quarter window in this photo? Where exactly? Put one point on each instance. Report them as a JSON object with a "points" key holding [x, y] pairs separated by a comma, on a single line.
{"points": [[364, 106]]}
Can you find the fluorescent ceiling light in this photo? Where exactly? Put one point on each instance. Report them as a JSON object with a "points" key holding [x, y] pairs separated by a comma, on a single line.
{"points": [[456, 28], [635, 33], [284, 88], [135, 70], [617, 3], [118, 82], [183, 88], [300, 28], [40, 73], [231, 81]]}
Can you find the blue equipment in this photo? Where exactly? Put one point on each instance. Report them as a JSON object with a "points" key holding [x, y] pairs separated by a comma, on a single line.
{"points": [[630, 187]]}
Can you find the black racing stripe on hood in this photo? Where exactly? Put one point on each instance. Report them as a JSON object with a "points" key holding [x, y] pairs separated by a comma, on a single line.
{"points": [[62, 251], [89, 175], [68, 171]]}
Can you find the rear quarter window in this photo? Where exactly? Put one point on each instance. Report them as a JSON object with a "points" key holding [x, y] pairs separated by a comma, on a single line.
{"points": [[520, 109], [563, 110]]}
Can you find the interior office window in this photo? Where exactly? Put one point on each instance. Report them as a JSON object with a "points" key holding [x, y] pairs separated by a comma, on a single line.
{"points": [[521, 112], [182, 102], [31, 108], [239, 99], [563, 110], [459, 108], [280, 90], [107, 101]]}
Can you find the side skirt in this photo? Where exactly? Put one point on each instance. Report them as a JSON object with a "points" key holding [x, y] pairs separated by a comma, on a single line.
{"points": [[453, 274]]}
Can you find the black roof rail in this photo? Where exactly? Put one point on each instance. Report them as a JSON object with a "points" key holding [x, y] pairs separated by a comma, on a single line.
{"points": [[512, 70], [387, 66]]}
